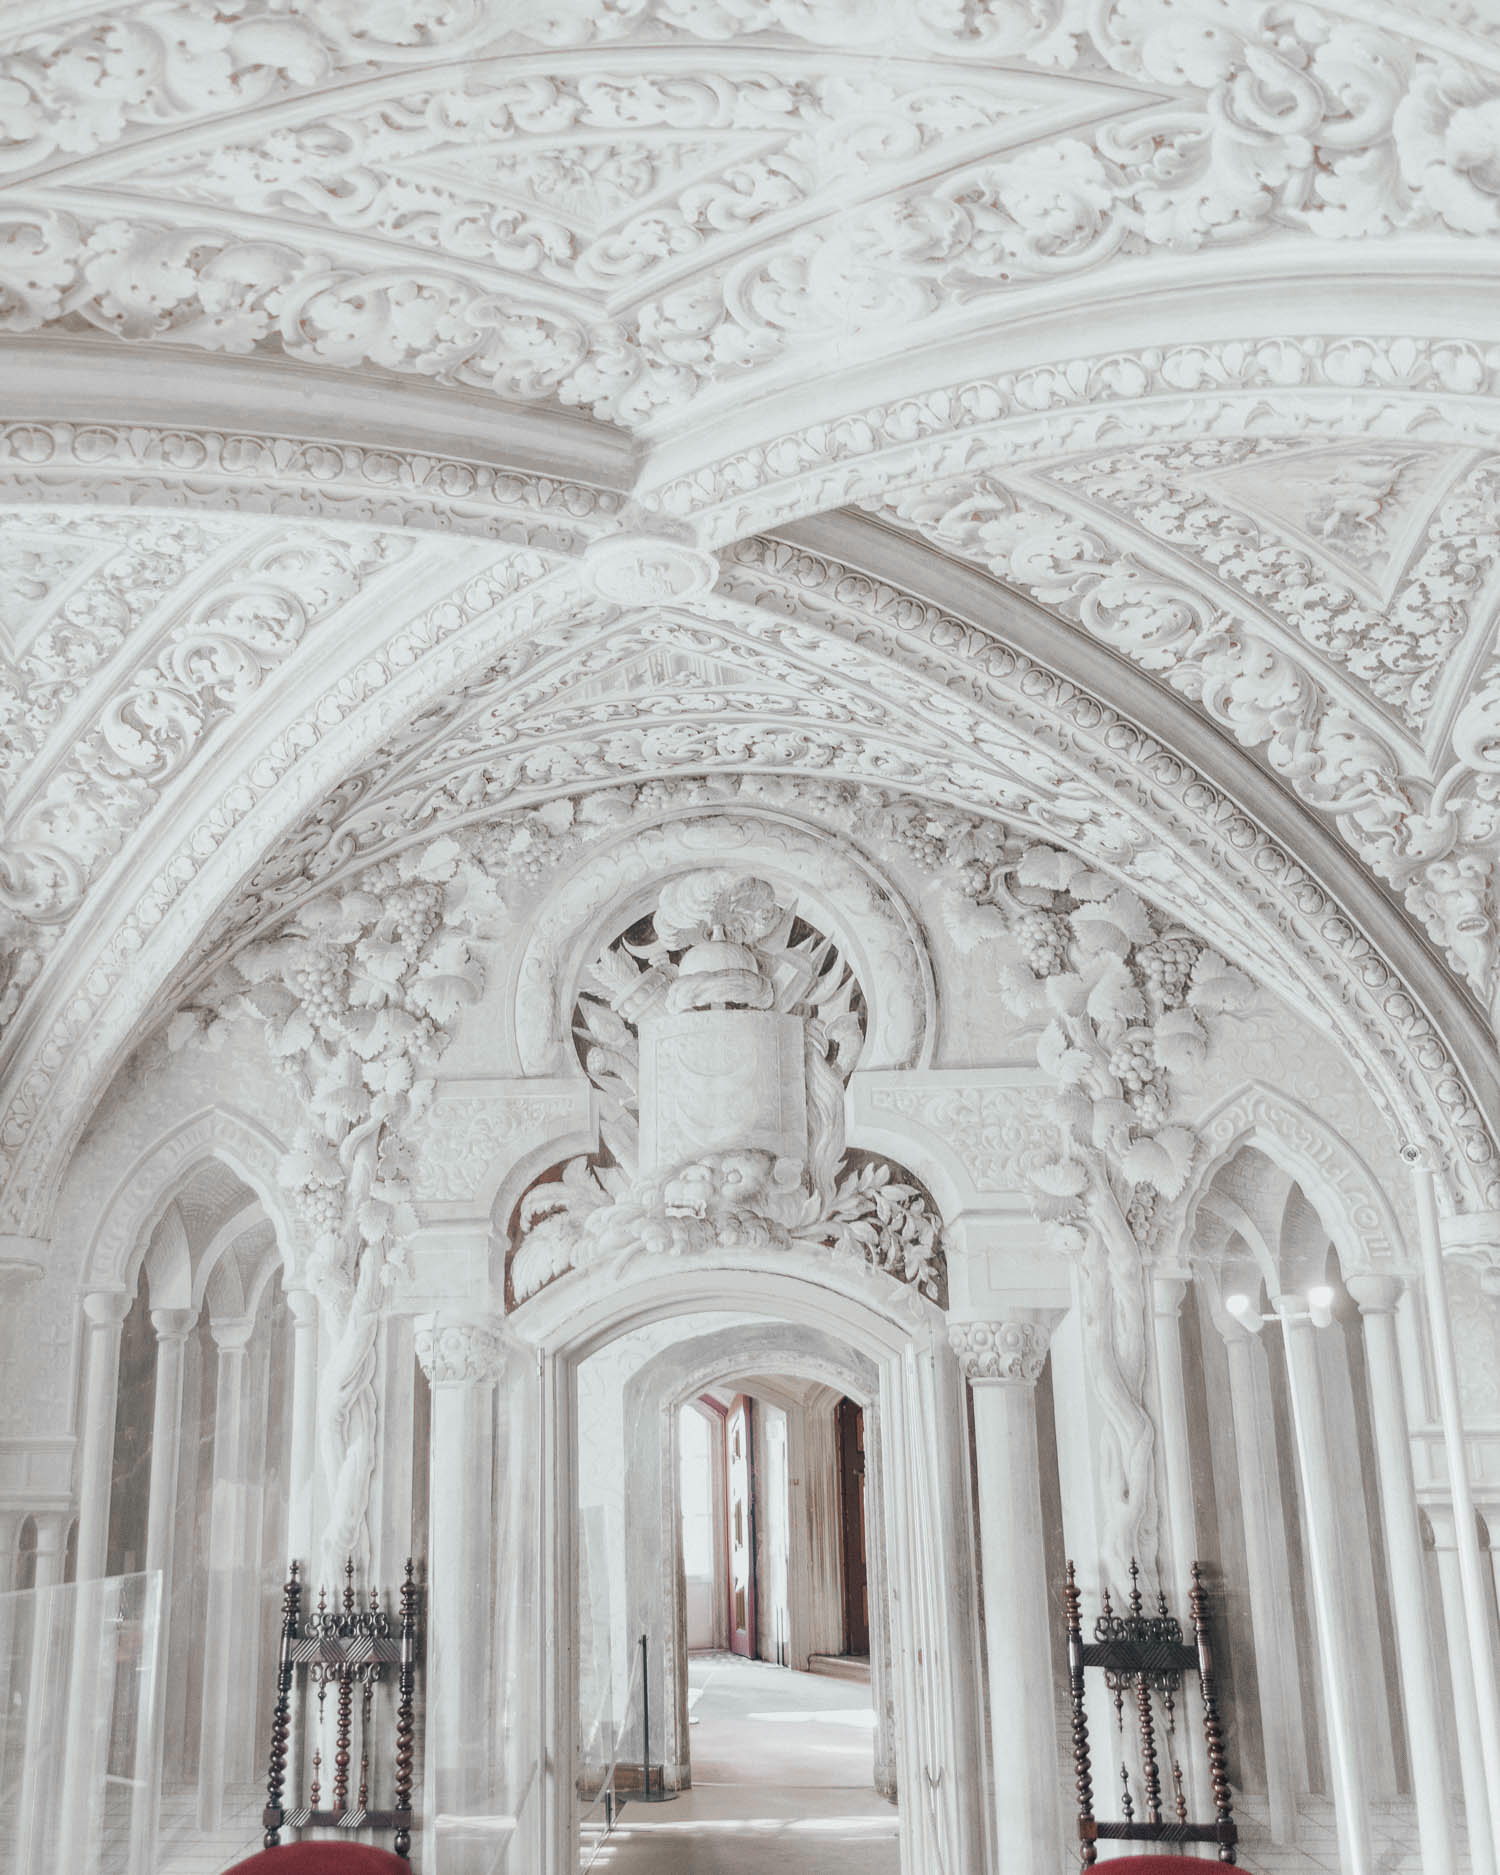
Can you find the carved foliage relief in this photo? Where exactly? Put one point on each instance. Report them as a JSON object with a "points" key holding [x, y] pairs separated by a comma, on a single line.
{"points": [[629, 240], [1332, 607]]}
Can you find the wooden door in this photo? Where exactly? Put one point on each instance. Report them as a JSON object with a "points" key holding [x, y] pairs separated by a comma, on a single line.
{"points": [[851, 1431], [740, 1450]]}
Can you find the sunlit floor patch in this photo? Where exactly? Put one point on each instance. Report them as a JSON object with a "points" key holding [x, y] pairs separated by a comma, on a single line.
{"points": [[741, 1830], [783, 1782]]}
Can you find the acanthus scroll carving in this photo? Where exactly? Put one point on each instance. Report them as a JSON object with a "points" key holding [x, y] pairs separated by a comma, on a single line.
{"points": [[499, 274]]}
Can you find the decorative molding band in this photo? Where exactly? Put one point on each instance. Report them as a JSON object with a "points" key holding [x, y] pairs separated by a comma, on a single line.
{"points": [[1437, 387], [124, 464]]}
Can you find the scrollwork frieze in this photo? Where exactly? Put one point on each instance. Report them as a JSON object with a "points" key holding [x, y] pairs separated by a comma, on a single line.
{"points": [[242, 472]]}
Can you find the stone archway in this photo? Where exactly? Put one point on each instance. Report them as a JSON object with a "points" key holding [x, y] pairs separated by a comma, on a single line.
{"points": [[901, 1341]]}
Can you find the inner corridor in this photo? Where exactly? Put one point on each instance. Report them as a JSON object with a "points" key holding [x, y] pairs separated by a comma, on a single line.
{"points": [[782, 1782]]}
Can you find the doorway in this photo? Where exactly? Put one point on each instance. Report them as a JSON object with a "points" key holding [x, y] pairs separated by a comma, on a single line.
{"points": [[780, 1744], [776, 1694], [629, 1542]]}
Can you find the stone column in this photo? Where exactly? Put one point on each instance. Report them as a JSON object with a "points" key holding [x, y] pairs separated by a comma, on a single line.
{"points": [[173, 1326], [1471, 1572], [51, 1545], [104, 1311], [1376, 1297], [81, 1797], [227, 1605], [11, 1520], [37, 1801], [1003, 1362], [302, 1479], [1326, 1570], [12, 1517], [1465, 1699], [1275, 1662], [462, 1360]]}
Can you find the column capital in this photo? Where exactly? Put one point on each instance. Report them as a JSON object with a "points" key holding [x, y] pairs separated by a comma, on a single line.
{"points": [[232, 1336], [303, 1304], [106, 1308], [1375, 1293], [1010, 1352], [454, 1350], [173, 1324], [51, 1528], [1167, 1292]]}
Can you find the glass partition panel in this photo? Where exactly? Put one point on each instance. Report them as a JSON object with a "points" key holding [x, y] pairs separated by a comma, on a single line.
{"points": [[79, 1698]]}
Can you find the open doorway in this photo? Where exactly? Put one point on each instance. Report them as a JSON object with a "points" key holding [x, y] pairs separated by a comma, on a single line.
{"points": [[816, 1749], [775, 1545]]}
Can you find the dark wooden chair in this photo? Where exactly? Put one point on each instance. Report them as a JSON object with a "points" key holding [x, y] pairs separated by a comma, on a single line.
{"points": [[1144, 1657], [348, 1648]]}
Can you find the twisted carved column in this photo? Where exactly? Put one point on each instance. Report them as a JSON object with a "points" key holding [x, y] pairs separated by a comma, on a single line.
{"points": [[462, 1359], [1002, 1361]]}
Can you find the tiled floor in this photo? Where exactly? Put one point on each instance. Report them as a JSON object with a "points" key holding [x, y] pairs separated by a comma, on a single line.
{"points": [[1393, 1832], [182, 1849], [783, 1768]]}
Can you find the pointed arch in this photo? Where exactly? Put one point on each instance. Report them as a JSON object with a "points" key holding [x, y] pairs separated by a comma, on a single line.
{"points": [[1347, 1196], [136, 1205]]}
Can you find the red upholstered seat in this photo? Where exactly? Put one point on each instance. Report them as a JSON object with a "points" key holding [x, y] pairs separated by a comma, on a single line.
{"points": [[1149, 1865], [322, 1858]]}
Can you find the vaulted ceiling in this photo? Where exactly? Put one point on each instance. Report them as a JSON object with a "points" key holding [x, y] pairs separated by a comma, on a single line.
{"points": [[1151, 342]]}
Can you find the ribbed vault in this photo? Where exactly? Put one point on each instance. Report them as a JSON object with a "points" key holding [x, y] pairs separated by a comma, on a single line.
{"points": [[336, 339]]}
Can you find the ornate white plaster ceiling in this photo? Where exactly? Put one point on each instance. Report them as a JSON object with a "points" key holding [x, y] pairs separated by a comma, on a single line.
{"points": [[336, 332]]}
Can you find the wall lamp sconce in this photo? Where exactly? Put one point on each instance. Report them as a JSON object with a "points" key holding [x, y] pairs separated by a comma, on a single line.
{"points": [[1319, 1310]]}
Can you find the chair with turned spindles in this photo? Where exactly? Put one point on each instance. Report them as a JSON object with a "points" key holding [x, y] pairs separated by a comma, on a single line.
{"points": [[1144, 1656]]}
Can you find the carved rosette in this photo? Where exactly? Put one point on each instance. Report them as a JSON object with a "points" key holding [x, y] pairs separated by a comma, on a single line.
{"points": [[457, 1353], [1010, 1352]]}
